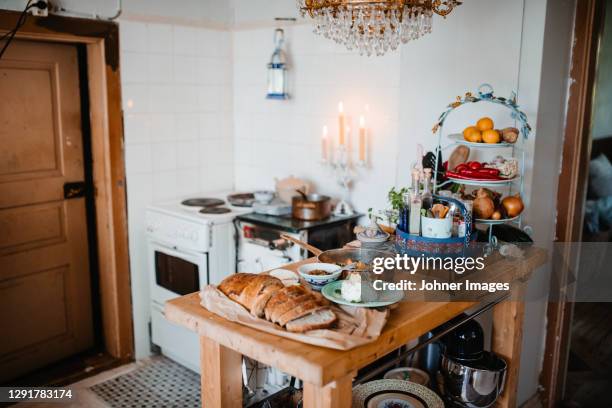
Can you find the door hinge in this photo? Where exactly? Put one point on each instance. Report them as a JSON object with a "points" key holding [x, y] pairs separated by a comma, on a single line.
{"points": [[75, 190]]}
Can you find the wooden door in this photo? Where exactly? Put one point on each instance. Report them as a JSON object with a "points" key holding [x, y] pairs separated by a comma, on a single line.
{"points": [[45, 293]]}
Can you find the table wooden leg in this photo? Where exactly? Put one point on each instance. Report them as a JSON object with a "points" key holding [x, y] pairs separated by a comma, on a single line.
{"points": [[221, 375], [337, 394], [507, 338]]}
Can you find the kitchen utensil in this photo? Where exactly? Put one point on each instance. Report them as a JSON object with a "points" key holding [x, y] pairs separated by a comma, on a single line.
{"points": [[285, 188], [331, 291], [473, 384], [318, 281], [275, 207], [311, 207], [264, 196], [396, 394], [411, 374], [241, 199], [316, 251], [466, 342]]}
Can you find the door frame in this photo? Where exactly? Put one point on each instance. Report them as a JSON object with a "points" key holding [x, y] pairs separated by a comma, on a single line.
{"points": [[571, 194], [101, 41]]}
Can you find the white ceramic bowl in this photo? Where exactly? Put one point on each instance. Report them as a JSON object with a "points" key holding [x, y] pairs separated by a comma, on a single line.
{"points": [[264, 196], [318, 281]]}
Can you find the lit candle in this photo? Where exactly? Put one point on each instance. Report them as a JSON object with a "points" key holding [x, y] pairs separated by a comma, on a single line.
{"points": [[324, 144], [341, 123], [362, 139]]}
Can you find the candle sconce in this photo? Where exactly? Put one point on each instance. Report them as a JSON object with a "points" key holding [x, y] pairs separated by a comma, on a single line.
{"points": [[340, 163]]}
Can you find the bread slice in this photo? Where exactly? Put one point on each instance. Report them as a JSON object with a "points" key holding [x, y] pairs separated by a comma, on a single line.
{"points": [[291, 304], [319, 319], [269, 289], [301, 310], [281, 297]]}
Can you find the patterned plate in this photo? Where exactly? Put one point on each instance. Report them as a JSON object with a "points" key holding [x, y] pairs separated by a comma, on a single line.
{"points": [[394, 394]]}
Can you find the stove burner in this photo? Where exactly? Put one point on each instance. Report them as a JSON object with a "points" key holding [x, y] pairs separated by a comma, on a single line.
{"points": [[202, 202], [215, 210]]}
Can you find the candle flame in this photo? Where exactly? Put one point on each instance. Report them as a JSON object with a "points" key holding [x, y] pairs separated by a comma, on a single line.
{"points": [[341, 107], [325, 131], [361, 121]]}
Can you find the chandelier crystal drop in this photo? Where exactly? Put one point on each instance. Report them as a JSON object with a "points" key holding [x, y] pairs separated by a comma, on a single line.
{"points": [[374, 26]]}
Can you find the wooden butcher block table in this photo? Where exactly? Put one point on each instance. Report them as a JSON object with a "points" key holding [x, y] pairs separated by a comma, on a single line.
{"points": [[327, 374]]}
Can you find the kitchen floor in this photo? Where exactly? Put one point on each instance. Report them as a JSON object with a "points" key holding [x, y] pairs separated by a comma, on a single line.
{"points": [[153, 382]]}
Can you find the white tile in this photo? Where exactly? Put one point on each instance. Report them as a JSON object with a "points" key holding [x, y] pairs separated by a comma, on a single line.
{"points": [[138, 159], [162, 98], [139, 192], [165, 187], [185, 69], [135, 98], [160, 68], [188, 154], [136, 128], [186, 126], [214, 71], [133, 36], [185, 41], [163, 155], [162, 127], [185, 98], [134, 67], [214, 43], [159, 38], [212, 98], [187, 181]]}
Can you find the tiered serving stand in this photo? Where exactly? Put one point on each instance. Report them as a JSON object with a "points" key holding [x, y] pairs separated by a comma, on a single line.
{"points": [[517, 150]]}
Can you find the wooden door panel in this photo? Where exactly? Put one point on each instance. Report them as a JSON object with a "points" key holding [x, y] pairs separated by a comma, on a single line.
{"points": [[33, 145], [47, 305], [45, 288], [32, 226]]}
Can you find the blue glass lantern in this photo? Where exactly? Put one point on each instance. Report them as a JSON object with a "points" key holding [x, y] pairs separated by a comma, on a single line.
{"points": [[277, 69]]}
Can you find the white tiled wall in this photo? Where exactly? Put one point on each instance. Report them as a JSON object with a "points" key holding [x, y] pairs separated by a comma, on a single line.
{"points": [[278, 138], [177, 100]]}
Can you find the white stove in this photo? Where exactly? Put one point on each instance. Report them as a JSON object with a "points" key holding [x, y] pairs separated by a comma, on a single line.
{"points": [[187, 249]]}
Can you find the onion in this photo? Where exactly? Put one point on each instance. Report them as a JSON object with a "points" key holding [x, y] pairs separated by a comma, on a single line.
{"points": [[513, 205], [483, 206]]}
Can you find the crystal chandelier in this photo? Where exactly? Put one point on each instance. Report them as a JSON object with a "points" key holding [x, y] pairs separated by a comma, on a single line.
{"points": [[374, 26]]}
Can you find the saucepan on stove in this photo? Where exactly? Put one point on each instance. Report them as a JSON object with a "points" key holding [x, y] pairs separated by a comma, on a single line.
{"points": [[310, 207]]}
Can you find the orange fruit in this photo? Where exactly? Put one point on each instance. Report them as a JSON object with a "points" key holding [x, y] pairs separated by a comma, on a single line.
{"points": [[475, 136], [468, 130], [491, 136], [484, 124]]}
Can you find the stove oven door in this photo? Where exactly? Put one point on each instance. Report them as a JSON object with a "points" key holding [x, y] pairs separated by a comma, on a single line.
{"points": [[175, 273]]}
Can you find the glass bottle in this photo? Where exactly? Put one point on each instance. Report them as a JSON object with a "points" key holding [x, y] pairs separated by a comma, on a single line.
{"points": [[415, 205], [426, 196], [404, 221]]}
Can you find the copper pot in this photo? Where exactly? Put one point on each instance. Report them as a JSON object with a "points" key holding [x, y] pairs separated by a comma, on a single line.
{"points": [[311, 207]]}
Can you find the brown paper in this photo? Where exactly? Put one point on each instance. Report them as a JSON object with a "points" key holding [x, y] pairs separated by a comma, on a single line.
{"points": [[355, 326]]}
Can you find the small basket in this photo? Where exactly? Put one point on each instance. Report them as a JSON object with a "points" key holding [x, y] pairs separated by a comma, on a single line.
{"points": [[416, 245]]}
